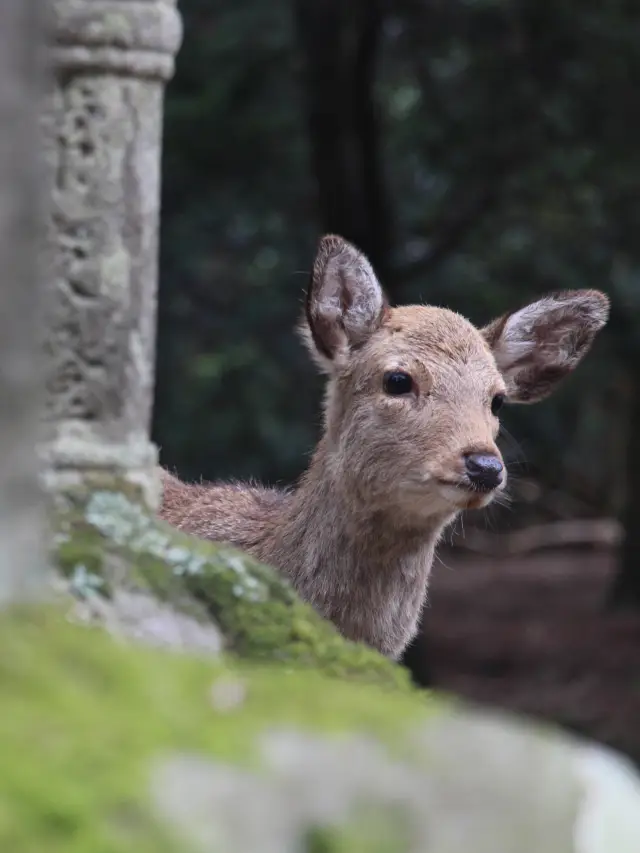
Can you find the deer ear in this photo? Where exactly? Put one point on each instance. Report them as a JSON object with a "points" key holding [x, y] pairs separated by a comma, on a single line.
{"points": [[345, 302], [536, 346]]}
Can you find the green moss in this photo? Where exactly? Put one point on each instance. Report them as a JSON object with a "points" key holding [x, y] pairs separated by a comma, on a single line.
{"points": [[82, 717], [369, 831], [106, 537]]}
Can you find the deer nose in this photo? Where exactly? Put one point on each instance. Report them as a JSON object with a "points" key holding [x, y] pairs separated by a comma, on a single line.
{"points": [[484, 470]]}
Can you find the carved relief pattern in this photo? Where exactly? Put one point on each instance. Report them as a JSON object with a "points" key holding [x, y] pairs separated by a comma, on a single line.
{"points": [[103, 153]]}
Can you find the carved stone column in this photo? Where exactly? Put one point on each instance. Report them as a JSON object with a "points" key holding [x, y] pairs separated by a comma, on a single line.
{"points": [[112, 59]]}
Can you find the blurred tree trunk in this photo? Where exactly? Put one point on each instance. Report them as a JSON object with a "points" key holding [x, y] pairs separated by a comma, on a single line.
{"points": [[339, 45], [22, 557], [626, 586]]}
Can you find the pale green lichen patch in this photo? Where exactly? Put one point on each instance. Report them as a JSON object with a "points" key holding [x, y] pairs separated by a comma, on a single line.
{"points": [[83, 718], [107, 533], [84, 583]]}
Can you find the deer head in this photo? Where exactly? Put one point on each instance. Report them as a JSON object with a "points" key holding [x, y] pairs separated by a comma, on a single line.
{"points": [[414, 393]]}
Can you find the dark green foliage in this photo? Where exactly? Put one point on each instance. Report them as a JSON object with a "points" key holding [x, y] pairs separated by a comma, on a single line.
{"points": [[234, 392]]}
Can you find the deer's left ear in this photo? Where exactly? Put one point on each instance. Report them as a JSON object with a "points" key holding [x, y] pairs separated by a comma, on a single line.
{"points": [[537, 346]]}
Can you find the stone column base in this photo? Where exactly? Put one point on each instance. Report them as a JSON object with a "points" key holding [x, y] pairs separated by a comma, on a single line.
{"points": [[72, 458]]}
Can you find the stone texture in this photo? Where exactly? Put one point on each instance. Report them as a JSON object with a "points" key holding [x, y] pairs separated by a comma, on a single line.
{"points": [[143, 618], [471, 782], [103, 132], [21, 93]]}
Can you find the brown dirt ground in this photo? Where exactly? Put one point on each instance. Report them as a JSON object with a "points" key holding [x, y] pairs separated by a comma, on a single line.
{"points": [[532, 634]]}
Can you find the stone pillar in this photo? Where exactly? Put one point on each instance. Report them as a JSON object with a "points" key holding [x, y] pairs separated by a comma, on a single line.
{"points": [[111, 60], [22, 556]]}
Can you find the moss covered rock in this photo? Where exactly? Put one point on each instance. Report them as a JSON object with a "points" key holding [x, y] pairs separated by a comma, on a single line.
{"points": [[105, 540], [281, 738], [109, 747], [83, 719]]}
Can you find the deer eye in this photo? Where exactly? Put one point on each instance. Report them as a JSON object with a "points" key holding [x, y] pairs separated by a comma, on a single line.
{"points": [[396, 383], [497, 403]]}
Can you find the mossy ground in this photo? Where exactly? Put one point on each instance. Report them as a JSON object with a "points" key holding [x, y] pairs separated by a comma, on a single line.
{"points": [[82, 716], [87, 718], [106, 537]]}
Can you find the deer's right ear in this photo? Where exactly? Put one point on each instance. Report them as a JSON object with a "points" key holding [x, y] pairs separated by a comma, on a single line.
{"points": [[345, 303]]}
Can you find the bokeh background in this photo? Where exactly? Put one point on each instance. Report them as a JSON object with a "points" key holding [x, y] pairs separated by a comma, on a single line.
{"points": [[481, 152]]}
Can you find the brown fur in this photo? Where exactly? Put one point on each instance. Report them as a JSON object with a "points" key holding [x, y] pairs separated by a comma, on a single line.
{"points": [[357, 536]]}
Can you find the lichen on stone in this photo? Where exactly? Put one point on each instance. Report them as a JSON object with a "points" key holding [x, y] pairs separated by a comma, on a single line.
{"points": [[104, 531]]}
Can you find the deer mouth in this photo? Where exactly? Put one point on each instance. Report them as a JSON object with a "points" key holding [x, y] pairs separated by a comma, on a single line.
{"points": [[470, 488], [465, 494], [461, 485]]}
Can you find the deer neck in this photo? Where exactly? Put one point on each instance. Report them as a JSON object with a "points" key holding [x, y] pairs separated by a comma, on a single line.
{"points": [[359, 567]]}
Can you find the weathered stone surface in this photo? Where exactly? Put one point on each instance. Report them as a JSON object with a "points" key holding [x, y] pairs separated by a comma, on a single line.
{"points": [[21, 202], [134, 37], [141, 617], [472, 782], [102, 133]]}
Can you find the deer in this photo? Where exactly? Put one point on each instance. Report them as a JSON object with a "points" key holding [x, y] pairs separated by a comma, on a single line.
{"points": [[410, 423]]}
